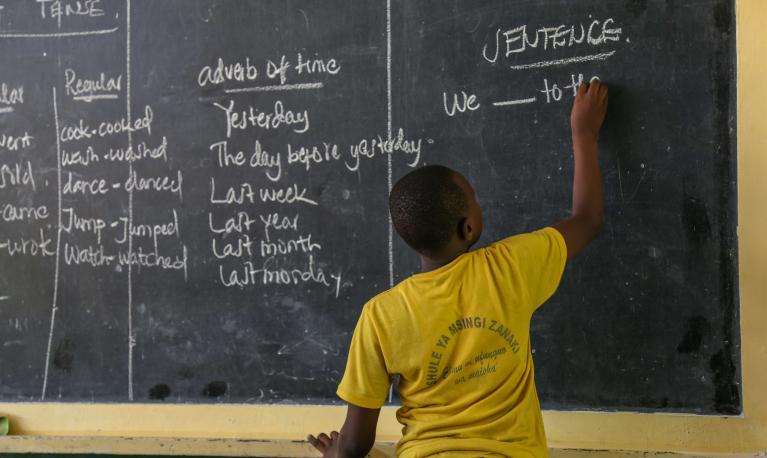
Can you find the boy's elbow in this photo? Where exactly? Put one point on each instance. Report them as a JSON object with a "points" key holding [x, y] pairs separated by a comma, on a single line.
{"points": [[591, 224], [595, 224]]}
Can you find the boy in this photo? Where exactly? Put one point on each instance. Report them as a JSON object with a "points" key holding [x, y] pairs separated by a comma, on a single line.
{"points": [[458, 332]]}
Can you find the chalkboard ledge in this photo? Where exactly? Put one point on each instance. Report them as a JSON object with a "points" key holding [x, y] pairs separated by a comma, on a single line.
{"points": [[185, 446], [107, 445]]}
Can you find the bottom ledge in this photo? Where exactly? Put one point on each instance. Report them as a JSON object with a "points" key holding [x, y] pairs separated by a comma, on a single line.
{"points": [[109, 445]]}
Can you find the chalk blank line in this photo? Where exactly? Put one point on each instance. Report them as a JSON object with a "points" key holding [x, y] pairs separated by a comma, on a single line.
{"points": [[569, 60], [514, 102], [277, 87], [58, 34], [6, 109]]}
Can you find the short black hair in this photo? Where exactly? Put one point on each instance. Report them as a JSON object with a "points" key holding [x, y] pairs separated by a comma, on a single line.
{"points": [[426, 207]]}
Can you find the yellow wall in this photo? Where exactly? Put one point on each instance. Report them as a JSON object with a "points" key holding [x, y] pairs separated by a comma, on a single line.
{"points": [[162, 426]]}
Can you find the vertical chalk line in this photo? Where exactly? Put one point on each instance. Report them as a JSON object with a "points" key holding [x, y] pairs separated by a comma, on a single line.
{"points": [[388, 156], [131, 338], [54, 301]]}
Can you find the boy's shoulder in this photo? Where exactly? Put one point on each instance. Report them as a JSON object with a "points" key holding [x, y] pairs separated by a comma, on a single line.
{"points": [[392, 303], [387, 298], [538, 240]]}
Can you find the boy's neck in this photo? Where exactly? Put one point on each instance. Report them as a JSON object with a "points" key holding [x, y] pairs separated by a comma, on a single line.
{"points": [[429, 263]]}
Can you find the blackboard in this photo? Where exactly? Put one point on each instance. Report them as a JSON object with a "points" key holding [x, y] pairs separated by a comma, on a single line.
{"points": [[195, 192]]}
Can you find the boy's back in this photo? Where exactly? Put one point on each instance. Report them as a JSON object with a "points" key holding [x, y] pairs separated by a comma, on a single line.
{"points": [[459, 338]]}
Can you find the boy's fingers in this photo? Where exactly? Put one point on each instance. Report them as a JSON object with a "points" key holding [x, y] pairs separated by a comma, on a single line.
{"points": [[315, 443], [326, 441], [334, 435], [583, 88]]}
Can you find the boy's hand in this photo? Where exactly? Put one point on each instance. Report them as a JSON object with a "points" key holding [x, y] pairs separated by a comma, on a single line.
{"points": [[589, 110], [327, 445], [356, 438]]}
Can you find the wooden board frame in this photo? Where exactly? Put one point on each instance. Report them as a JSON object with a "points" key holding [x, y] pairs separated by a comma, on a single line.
{"points": [[276, 430]]}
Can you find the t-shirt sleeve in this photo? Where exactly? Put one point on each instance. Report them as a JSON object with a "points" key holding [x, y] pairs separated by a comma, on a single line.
{"points": [[539, 258], [366, 380]]}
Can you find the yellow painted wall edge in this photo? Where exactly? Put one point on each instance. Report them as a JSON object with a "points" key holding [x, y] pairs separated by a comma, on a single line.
{"points": [[186, 426]]}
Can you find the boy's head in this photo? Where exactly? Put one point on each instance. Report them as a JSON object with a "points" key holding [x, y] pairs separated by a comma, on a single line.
{"points": [[435, 211]]}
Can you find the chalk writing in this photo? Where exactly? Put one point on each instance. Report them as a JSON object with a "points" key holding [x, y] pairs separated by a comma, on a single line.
{"points": [[460, 103], [11, 95], [252, 116], [11, 142], [508, 42], [56, 9], [88, 90]]}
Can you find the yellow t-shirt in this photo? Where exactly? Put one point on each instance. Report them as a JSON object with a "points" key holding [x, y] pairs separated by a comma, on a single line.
{"points": [[459, 337]]}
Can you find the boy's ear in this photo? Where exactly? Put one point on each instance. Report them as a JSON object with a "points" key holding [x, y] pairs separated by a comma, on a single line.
{"points": [[465, 229]]}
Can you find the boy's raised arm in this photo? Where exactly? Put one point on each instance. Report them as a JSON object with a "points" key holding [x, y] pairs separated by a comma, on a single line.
{"points": [[586, 119]]}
